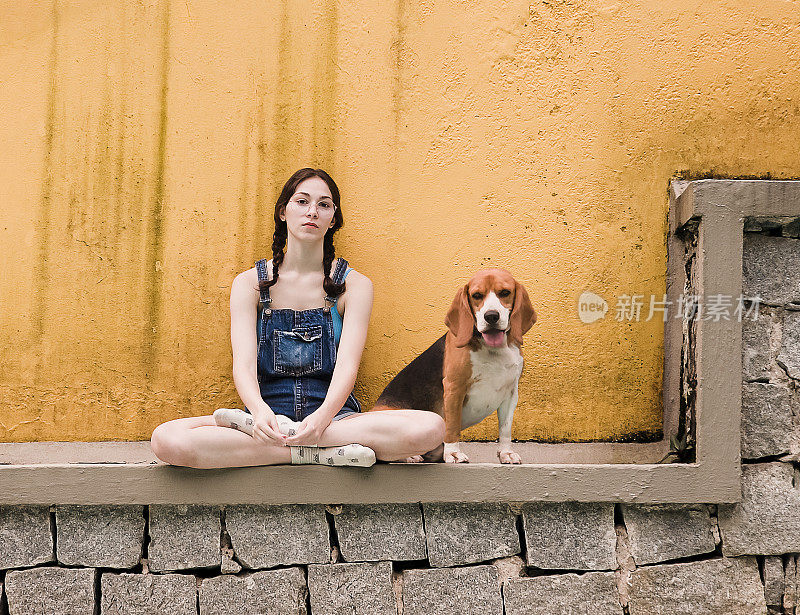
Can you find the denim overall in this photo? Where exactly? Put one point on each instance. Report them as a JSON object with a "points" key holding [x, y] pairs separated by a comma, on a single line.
{"points": [[296, 354]]}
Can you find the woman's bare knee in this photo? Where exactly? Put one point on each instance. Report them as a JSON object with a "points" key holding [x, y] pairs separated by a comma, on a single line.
{"points": [[421, 430], [169, 447], [430, 431]]}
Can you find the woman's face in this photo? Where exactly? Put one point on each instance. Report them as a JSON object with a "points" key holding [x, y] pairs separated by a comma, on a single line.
{"points": [[309, 212]]}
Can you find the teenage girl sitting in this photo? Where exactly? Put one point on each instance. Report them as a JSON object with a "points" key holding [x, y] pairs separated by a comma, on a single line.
{"points": [[290, 367]]}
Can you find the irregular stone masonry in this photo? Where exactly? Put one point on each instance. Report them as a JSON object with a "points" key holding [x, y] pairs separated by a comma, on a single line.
{"points": [[570, 557]]}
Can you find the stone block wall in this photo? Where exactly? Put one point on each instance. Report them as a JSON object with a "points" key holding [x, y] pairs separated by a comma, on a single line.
{"points": [[432, 558], [408, 558]]}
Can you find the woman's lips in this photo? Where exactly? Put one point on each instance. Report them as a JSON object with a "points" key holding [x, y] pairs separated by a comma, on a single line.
{"points": [[310, 224]]}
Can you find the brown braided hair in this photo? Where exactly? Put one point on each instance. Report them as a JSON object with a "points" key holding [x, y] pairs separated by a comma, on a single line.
{"points": [[281, 231]]}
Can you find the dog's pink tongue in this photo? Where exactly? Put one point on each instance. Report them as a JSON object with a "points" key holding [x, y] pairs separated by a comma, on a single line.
{"points": [[493, 338]]}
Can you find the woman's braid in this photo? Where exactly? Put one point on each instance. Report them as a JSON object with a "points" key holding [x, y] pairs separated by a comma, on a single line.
{"points": [[328, 254], [278, 244]]}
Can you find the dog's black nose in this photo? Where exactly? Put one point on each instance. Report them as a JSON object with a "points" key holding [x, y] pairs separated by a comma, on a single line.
{"points": [[492, 316]]}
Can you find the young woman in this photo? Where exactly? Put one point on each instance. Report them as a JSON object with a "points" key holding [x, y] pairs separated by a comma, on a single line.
{"points": [[291, 370]]}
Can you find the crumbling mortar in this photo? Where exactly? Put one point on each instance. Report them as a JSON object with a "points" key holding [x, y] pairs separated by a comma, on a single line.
{"points": [[765, 459], [625, 562], [306, 595], [53, 532], [331, 511], [98, 595], [3, 600], [785, 371], [552, 572], [397, 587], [523, 545], [424, 532], [145, 557], [225, 541]]}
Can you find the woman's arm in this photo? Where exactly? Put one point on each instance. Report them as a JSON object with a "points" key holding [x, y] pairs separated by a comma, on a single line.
{"points": [[348, 357], [244, 301]]}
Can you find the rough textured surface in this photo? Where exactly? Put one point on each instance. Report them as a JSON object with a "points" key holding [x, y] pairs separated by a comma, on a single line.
{"points": [[556, 120], [758, 353], [766, 420], [729, 586], [25, 536], [570, 535], [107, 536], [148, 594], [789, 355], [790, 582], [459, 533], [276, 592], [49, 590], [771, 268], [773, 580], [228, 565], [473, 590], [662, 532], [767, 520], [337, 589], [374, 532], [183, 537], [268, 536], [563, 594]]}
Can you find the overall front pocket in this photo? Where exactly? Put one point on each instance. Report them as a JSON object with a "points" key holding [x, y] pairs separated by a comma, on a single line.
{"points": [[298, 352]]}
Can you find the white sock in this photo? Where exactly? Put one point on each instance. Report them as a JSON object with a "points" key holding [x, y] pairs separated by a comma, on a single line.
{"points": [[346, 455], [235, 419], [243, 421]]}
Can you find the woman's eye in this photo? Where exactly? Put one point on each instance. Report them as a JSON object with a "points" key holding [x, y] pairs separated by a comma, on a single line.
{"points": [[325, 205], [301, 201]]}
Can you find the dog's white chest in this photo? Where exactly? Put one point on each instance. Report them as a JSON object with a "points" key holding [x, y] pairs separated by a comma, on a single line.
{"points": [[495, 374]]}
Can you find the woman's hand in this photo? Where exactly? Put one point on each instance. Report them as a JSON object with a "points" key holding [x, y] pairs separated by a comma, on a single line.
{"points": [[310, 430], [265, 428]]}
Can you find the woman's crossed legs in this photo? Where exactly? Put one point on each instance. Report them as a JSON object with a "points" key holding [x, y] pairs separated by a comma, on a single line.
{"points": [[394, 435]]}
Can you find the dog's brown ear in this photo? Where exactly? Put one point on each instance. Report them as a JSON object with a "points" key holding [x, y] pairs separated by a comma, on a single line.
{"points": [[522, 315], [460, 319]]}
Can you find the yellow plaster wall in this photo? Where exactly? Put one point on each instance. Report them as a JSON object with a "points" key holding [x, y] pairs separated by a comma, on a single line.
{"points": [[144, 143]]}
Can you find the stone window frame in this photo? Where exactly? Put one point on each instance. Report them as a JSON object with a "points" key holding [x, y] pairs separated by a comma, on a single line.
{"points": [[122, 473]]}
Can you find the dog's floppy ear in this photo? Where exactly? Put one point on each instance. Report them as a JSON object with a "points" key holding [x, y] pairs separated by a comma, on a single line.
{"points": [[522, 315], [459, 319]]}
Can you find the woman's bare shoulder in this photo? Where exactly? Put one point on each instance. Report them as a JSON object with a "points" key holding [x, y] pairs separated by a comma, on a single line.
{"points": [[356, 285], [247, 280]]}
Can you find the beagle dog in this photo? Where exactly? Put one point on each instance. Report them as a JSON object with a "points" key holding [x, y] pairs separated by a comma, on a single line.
{"points": [[472, 370]]}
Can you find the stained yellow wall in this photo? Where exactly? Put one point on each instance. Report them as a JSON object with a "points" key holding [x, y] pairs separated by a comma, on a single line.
{"points": [[144, 143]]}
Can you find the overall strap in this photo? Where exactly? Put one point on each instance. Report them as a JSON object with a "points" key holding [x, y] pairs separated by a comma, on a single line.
{"points": [[337, 276], [261, 268]]}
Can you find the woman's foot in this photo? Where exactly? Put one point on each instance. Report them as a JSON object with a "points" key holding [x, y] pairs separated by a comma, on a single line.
{"points": [[243, 421], [346, 455], [235, 419]]}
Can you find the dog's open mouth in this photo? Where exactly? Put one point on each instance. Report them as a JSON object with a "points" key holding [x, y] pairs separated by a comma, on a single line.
{"points": [[493, 337]]}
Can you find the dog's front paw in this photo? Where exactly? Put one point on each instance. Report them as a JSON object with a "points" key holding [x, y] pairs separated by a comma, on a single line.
{"points": [[453, 454], [508, 456], [456, 457], [414, 459]]}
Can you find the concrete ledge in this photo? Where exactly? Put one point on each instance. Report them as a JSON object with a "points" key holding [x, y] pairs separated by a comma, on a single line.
{"points": [[48, 453], [128, 473]]}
